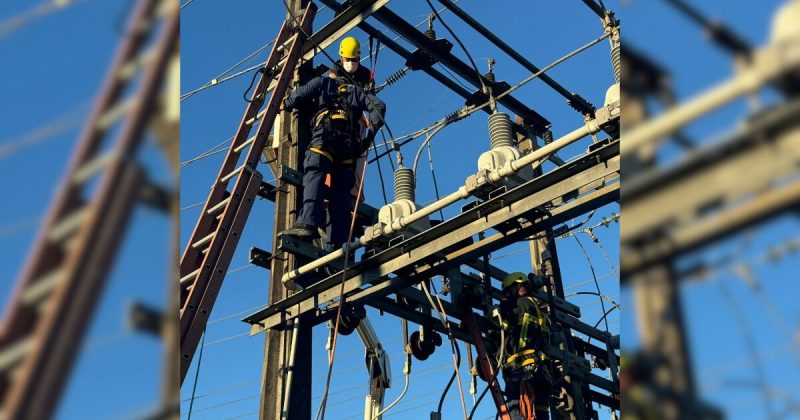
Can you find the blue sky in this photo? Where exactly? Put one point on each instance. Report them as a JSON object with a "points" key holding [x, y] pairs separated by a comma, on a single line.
{"points": [[53, 68], [717, 339], [214, 37]]}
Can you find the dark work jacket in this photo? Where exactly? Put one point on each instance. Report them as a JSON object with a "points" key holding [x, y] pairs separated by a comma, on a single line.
{"points": [[322, 93]]}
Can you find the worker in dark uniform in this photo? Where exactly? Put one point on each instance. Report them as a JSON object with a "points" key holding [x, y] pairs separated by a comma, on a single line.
{"points": [[336, 142], [527, 330]]}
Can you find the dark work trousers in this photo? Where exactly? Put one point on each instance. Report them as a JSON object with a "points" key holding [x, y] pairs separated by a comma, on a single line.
{"points": [[315, 167], [513, 379]]}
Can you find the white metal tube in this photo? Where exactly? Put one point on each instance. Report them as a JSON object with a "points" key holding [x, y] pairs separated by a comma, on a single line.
{"points": [[290, 371], [590, 127]]}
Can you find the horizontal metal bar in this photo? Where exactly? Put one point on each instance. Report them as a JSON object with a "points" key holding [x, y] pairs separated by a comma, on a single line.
{"points": [[463, 70], [521, 200]]}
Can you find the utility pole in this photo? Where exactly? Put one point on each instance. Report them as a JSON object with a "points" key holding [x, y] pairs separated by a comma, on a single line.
{"points": [[291, 139], [544, 262]]}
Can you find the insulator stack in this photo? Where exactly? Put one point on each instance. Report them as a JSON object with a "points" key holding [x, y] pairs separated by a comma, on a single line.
{"points": [[394, 77], [616, 59], [430, 34], [404, 184], [500, 130]]}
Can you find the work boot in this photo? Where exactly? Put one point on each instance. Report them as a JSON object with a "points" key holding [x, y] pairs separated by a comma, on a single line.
{"points": [[300, 230]]}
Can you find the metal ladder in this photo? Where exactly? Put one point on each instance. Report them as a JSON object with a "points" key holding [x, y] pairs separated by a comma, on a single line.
{"points": [[209, 252], [50, 308]]}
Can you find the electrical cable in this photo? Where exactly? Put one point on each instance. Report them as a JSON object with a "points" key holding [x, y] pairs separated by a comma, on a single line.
{"points": [[447, 388], [435, 182], [210, 152], [188, 2], [380, 175], [455, 37], [467, 111], [589, 231], [440, 312], [197, 374], [427, 141], [483, 394], [218, 80], [406, 372], [594, 276]]}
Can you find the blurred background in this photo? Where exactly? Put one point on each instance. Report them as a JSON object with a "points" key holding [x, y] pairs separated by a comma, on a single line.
{"points": [[710, 232], [88, 158]]}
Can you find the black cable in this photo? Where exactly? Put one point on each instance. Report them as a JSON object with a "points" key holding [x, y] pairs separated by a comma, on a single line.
{"points": [[485, 390], [435, 182], [594, 277], [252, 81], [197, 373], [603, 318], [388, 150], [597, 294], [449, 383], [380, 175], [474, 66]]}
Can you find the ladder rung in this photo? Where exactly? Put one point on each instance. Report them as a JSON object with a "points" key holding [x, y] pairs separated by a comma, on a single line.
{"points": [[203, 241], [247, 142], [91, 167], [219, 206], [68, 225], [112, 114], [233, 173], [131, 67], [190, 276], [258, 116], [41, 288], [13, 354]]}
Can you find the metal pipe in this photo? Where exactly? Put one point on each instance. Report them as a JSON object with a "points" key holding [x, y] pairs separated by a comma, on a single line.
{"points": [[290, 370], [590, 127], [762, 71]]}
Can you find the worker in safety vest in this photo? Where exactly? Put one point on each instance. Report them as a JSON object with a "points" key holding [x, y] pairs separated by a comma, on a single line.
{"points": [[527, 331], [336, 142]]}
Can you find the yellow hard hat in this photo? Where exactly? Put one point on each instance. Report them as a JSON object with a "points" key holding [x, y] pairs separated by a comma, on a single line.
{"points": [[513, 278], [350, 48]]}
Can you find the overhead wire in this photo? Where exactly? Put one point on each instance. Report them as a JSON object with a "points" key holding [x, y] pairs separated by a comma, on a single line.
{"points": [[467, 111], [220, 79], [461, 44], [197, 374], [69, 120], [442, 314], [594, 277], [15, 23]]}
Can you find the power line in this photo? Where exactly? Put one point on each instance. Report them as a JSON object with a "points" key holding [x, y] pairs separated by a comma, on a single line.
{"points": [[68, 121], [467, 111], [220, 78], [11, 25], [17, 227]]}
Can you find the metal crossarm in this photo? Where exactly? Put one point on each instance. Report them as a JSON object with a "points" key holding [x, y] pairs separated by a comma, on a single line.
{"points": [[67, 268], [210, 249]]}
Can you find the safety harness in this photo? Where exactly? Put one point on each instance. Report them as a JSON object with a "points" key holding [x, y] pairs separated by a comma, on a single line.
{"points": [[337, 114]]}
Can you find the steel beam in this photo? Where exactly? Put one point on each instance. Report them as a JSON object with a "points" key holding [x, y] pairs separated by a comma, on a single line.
{"points": [[581, 105], [409, 32], [507, 207]]}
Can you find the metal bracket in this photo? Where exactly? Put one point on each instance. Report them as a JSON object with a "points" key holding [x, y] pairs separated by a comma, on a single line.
{"points": [[260, 257]]}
